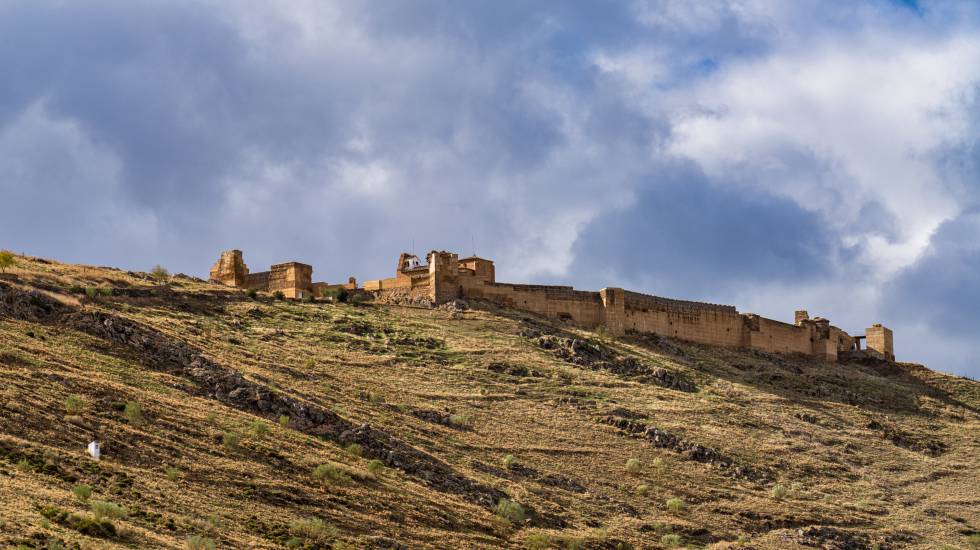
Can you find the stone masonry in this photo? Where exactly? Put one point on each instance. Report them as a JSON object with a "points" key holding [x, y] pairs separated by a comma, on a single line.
{"points": [[444, 277]]}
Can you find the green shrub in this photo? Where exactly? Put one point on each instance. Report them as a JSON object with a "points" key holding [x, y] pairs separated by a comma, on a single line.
{"points": [[74, 404], [328, 473], [252, 293], [633, 466], [356, 299], [335, 294], [375, 467], [160, 273], [278, 295], [294, 542], [284, 421], [675, 504], [508, 461], [779, 491], [574, 543], [230, 440], [537, 541], [106, 510], [258, 428], [76, 288], [173, 474], [658, 464], [509, 510], [92, 527], [671, 540], [82, 492], [197, 542], [6, 260], [355, 449], [461, 420], [133, 413], [642, 490], [314, 530], [310, 363], [105, 291], [91, 291], [23, 465]]}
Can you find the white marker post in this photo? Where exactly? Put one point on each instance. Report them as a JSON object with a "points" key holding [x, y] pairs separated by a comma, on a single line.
{"points": [[93, 449]]}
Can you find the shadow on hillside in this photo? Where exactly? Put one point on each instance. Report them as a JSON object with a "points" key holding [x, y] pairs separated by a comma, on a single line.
{"points": [[873, 385]]}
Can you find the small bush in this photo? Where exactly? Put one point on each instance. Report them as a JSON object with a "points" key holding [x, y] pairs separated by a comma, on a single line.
{"points": [[537, 541], [160, 273], [675, 504], [91, 291], [356, 299], [76, 289], [82, 492], [335, 294], [173, 474], [461, 420], [197, 542], [23, 465], [509, 510], [284, 421], [779, 491], [574, 543], [252, 293], [328, 473], [74, 404], [6, 260], [375, 467], [633, 466], [230, 440], [658, 464], [106, 510], [294, 542], [314, 530], [258, 429], [508, 461], [671, 541], [105, 291], [310, 363], [134, 413], [355, 449], [278, 295], [642, 490]]}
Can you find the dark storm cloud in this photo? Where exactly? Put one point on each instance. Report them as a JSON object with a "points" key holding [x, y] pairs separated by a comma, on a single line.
{"points": [[566, 140], [685, 236]]}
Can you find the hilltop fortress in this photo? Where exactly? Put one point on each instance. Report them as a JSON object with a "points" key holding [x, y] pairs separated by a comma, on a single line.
{"points": [[446, 277]]}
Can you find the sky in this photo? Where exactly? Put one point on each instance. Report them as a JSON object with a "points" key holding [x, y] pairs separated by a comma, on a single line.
{"points": [[772, 155]]}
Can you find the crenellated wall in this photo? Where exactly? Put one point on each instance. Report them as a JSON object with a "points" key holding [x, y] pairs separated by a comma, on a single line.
{"points": [[446, 277]]}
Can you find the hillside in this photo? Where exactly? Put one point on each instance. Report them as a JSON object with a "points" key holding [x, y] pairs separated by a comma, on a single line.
{"points": [[257, 423]]}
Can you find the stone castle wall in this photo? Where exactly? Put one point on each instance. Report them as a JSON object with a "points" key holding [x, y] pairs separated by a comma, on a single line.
{"points": [[445, 277]]}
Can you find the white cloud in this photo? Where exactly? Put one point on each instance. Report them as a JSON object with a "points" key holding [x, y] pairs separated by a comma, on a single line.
{"points": [[868, 112]]}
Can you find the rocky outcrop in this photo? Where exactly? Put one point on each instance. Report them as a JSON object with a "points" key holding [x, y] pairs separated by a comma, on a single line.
{"points": [[231, 388], [596, 356]]}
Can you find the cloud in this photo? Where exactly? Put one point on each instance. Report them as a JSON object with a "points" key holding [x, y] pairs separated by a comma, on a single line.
{"points": [[818, 148], [55, 174], [684, 235]]}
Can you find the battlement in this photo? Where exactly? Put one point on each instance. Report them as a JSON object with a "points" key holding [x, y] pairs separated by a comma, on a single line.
{"points": [[445, 277]]}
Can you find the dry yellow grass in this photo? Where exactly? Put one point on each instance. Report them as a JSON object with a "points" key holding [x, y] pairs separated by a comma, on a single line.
{"points": [[869, 456]]}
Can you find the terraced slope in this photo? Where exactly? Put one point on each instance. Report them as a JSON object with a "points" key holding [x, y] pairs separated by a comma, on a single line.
{"points": [[256, 423]]}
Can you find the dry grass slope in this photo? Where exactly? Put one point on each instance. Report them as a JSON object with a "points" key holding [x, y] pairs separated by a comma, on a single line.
{"points": [[233, 422]]}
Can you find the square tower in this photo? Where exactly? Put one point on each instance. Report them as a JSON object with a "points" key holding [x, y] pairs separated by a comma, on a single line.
{"points": [[879, 339]]}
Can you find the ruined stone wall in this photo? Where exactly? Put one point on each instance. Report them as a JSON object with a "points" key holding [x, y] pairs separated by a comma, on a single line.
{"points": [[695, 321], [257, 281], [557, 302], [293, 279], [778, 337], [230, 269]]}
